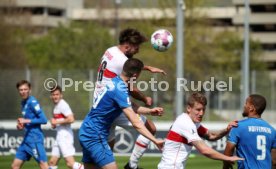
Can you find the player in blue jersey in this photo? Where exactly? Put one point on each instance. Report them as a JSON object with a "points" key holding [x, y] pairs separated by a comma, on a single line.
{"points": [[109, 101], [33, 116], [254, 139]]}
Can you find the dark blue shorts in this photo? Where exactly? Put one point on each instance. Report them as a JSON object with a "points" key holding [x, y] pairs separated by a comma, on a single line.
{"points": [[97, 152], [27, 150]]}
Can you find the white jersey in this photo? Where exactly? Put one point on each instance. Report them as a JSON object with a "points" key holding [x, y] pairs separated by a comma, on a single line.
{"points": [[64, 143], [111, 64], [62, 110], [178, 145]]}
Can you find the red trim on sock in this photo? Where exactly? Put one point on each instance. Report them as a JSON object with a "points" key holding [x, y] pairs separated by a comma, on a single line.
{"points": [[141, 145]]}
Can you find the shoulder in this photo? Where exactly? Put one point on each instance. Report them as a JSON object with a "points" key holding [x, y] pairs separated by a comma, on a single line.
{"points": [[32, 100], [185, 121]]}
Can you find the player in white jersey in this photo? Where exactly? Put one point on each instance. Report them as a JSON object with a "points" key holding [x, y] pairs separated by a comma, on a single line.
{"points": [[61, 121], [111, 65], [187, 131]]}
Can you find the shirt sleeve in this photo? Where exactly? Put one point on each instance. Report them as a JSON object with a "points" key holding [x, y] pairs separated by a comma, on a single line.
{"points": [[274, 143], [233, 136], [65, 109], [202, 130], [40, 117]]}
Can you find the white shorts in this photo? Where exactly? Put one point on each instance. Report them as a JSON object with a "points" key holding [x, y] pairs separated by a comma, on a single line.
{"points": [[122, 121], [64, 145]]}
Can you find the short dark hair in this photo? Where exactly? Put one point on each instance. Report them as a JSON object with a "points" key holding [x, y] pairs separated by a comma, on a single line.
{"points": [[259, 102], [132, 66], [197, 97], [23, 82], [131, 36], [55, 88]]}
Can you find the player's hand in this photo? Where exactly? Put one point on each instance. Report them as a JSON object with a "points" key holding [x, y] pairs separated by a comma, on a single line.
{"points": [[232, 159], [20, 126], [155, 70], [53, 123], [157, 111], [159, 144], [231, 125], [148, 101]]}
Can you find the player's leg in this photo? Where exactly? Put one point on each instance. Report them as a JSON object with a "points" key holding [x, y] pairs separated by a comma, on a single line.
{"points": [[140, 146], [38, 152], [55, 156], [21, 156], [111, 136], [17, 163], [71, 163], [67, 149]]}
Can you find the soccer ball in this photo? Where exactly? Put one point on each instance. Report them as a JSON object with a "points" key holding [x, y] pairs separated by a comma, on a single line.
{"points": [[161, 40]]}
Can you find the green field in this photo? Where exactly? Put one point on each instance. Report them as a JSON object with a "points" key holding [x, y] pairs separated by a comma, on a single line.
{"points": [[197, 162]]}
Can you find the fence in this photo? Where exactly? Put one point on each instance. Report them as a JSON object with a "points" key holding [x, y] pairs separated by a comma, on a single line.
{"points": [[78, 88]]}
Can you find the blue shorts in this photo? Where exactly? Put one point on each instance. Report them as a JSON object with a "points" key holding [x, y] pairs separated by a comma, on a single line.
{"points": [[97, 152], [27, 150]]}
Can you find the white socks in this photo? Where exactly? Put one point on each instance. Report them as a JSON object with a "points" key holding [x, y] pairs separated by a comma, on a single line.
{"points": [[138, 150], [78, 166], [53, 167]]}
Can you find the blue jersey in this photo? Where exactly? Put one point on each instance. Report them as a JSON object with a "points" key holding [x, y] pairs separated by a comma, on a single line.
{"points": [[254, 138], [109, 100], [31, 110]]}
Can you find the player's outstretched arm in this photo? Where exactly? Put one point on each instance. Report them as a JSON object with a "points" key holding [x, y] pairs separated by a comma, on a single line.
{"points": [[154, 70], [215, 135], [140, 127], [213, 154], [156, 111]]}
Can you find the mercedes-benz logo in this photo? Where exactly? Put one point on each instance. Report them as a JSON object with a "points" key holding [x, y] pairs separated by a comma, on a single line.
{"points": [[124, 141]]}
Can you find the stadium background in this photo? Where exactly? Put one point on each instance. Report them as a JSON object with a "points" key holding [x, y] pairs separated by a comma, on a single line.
{"points": [[213, 48]]}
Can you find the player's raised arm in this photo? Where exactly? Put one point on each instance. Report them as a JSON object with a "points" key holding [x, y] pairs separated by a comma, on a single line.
{"points": [[154, 70], [215, 135]]}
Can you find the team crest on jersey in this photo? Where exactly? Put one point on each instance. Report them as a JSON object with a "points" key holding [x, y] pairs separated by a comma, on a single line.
{"points": [[23, 113], [37, 107]]}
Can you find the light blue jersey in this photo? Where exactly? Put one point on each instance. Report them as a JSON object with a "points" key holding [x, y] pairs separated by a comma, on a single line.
{"points": [[254, 138], [109, 101], [33, 142]]}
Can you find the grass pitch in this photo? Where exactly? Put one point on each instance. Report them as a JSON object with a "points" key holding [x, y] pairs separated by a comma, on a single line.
{"points": [[196, 162]]}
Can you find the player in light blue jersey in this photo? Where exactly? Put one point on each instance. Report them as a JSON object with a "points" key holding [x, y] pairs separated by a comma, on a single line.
{"points": [[33, 142], [111, 99], [254, 139]]}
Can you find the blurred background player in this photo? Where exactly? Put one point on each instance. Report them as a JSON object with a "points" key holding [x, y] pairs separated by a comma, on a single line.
{"points": [[187, 131], [110, 101], [61, 121], [33, 116], [112, 65], [254, 139]]}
